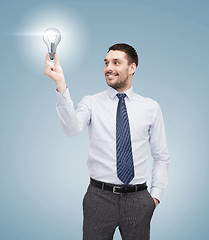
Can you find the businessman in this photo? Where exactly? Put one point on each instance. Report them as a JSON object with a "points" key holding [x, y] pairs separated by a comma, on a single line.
{"points": [[121, 125]]}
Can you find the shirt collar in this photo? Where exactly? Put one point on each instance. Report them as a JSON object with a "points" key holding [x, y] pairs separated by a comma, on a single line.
{"points": [[112, 93]]}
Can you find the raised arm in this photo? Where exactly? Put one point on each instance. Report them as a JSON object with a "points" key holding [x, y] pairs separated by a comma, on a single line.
{"points": [[55, 72], [73, 121]]}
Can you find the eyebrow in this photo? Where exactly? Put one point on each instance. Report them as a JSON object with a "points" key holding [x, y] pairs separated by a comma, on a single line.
{"points": [[115, 59]]}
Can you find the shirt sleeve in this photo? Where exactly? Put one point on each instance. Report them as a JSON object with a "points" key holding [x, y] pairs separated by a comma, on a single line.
{"points": [[73, 121], [159, 153]]}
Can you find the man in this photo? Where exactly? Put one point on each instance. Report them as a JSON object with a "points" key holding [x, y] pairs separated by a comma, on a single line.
{"points": [[121, 124]]}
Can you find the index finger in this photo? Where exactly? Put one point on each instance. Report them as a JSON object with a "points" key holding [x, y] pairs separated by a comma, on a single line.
{"points": [[47, 57]]}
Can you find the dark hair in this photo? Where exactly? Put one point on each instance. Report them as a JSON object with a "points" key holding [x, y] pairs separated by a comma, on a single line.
{"points": [[129, 50]]}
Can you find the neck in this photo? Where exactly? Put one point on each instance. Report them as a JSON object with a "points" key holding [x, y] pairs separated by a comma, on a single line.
{"points": [[123, 89]]}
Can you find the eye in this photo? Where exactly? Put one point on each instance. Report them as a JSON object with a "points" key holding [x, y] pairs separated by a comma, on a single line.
{"points": [[106, 63], [116, 62]]}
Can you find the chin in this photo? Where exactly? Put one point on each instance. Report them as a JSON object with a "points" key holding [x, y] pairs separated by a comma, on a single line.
{"points": [[110, 83]]}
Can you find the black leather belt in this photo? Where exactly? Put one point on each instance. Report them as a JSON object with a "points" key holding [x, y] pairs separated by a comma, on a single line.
{"points": [[118, 188]]}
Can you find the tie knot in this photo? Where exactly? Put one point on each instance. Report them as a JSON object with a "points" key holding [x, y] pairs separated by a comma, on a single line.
{"points": [[121, 95]]}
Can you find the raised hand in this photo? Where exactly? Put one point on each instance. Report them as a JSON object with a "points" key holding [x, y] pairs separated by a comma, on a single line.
{"points": [[55, 72]]}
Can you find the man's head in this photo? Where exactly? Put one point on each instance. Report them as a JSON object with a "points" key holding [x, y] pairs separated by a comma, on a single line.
{"points": [[131, 53], [120, 64]]}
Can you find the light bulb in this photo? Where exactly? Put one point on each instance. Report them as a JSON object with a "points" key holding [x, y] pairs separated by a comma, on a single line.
{"points": [[52, 38]]}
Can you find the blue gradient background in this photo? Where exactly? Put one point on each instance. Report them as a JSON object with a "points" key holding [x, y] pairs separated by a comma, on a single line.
{"points": [[43, 173]]}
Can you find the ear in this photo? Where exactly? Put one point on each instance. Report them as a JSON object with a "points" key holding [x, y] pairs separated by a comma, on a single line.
{"points": [[132, 68]]}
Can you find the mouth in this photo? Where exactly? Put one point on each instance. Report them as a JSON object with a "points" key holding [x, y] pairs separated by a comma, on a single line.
{"points": [[111, 75]]}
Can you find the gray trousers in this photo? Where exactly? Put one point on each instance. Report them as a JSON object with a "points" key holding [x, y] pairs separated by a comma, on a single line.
{"points": [[104, 211]]}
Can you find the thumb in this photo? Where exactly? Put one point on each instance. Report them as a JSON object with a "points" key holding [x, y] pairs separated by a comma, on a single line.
{"points": [[56, 60]]}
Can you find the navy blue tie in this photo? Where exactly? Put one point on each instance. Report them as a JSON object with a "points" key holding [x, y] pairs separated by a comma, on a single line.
{"points": [[125, 166]]}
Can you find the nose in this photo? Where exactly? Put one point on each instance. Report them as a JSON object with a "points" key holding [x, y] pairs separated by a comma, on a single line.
{"points": [[109, 67]]}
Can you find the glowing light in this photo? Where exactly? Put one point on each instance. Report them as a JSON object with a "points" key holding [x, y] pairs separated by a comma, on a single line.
{"points": [[52, 38], [70, 24]]}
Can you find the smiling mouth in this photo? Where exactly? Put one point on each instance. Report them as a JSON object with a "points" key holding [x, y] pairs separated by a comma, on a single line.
{"points": [[111, 75]]}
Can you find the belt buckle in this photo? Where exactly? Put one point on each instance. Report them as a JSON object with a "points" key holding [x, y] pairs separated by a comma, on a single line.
{"points": [[115, 188]]}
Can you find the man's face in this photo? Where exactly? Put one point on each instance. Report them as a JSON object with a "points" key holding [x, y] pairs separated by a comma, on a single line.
{"points": [[118, 72]]}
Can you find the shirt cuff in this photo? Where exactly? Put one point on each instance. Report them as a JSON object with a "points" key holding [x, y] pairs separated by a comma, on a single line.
{"points": [[156, 193], [63, 98]]}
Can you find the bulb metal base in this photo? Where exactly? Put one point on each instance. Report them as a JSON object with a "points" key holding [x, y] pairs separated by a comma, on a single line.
{"points": [[52, 55]]}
